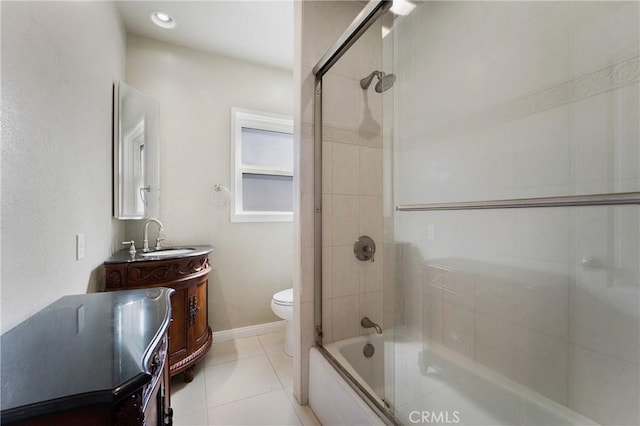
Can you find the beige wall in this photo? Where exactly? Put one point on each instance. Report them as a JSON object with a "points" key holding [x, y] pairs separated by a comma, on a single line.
{"points": [[59, 60], [196, 92]]}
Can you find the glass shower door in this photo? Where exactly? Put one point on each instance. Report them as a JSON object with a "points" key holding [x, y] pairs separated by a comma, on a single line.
{"points": [[514, 165]]}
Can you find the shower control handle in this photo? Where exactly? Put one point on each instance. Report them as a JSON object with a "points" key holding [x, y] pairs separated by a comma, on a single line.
{"points": [[364, 248]]}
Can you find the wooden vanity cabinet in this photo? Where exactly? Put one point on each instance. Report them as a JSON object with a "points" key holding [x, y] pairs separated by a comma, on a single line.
{"points": [[190, 336]]}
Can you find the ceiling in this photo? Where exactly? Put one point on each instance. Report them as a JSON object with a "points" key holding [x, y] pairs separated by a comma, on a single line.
{"points": [[259, 31]]}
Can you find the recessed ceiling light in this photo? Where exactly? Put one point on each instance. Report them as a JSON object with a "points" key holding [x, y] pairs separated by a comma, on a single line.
{"points": [[162, 19]]}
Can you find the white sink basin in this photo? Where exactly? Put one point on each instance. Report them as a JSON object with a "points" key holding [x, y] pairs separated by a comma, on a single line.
{"points": [[168, 252]]}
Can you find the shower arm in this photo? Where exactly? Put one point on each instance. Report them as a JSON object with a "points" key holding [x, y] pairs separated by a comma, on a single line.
{"points": [[366, 82]]}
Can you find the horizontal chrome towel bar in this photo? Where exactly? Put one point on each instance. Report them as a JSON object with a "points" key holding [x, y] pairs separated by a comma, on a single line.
{"points": [[611, 199]]}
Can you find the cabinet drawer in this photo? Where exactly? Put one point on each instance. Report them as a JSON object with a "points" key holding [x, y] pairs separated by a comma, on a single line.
{"points": [[154, 273], [166, 271]]}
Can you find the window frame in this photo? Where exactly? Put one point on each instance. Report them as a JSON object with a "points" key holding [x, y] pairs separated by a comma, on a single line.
{"points": [[244, 118]]}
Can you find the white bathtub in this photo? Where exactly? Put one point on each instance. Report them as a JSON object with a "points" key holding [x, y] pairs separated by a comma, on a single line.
{"points": [[432, 380], [333, 400], [446, 382], [369, 371]]}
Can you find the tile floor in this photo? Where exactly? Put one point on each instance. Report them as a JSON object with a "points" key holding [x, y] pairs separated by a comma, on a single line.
{"points": [[241, 382]]}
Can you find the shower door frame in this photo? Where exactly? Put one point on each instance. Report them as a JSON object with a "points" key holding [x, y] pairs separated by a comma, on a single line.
{"points": [[369, 14]]}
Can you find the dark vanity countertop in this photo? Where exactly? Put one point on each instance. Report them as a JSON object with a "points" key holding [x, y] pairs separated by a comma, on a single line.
{"points": [[123, 256], [80, 350]]}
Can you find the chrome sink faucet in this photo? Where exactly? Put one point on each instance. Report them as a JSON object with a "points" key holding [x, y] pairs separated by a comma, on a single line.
{"points": [[367, 323], [145, 236]]}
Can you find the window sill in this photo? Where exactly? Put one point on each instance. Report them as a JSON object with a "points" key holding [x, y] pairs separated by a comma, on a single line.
{"points": [[261, 217]]}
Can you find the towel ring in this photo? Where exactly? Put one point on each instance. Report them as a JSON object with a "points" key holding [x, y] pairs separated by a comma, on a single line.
{"points": [[218, 188]]}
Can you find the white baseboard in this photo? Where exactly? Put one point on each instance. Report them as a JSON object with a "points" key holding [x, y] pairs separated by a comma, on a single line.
{"points": [[252, 330]]}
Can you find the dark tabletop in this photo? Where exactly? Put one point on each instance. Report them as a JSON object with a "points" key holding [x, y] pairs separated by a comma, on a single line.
{"points": [[80, 350]]}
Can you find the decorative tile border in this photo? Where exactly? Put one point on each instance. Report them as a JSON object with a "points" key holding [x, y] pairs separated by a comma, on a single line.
{"points": [[307, 130], [613, 76], [336, 134], [603, 80], [610, 77]]}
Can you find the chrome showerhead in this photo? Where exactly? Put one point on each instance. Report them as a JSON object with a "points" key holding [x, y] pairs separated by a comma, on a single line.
{"points": [[385, 81]]}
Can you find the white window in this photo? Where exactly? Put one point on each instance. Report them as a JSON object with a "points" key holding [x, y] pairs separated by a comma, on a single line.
{"points": [[261, 167]]}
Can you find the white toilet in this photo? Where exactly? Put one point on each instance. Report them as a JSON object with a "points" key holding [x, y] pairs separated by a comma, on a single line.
{"points": [[282, 306]]}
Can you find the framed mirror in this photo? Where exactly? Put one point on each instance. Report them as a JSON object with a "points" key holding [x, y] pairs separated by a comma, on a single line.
{"points": [[136, 159]]}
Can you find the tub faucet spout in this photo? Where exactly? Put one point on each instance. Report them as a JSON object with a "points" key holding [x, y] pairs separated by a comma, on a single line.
{"points": [[367, 323]]}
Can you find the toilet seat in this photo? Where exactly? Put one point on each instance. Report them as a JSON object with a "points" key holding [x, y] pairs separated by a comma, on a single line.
{"points": [[283, 298]]}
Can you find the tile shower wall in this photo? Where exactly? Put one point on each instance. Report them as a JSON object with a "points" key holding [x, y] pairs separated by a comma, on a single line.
{"points": [[352, 190], [517, 99], [351, 181]]}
